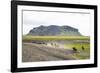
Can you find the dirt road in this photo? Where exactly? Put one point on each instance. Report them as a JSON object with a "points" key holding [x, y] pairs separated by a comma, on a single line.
{"points": [[37, 52]]}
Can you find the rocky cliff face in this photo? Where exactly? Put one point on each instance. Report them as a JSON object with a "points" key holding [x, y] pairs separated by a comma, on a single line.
{"points": [[54, 30]]}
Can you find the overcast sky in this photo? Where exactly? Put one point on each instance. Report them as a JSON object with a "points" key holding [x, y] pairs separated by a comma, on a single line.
{"points": [[33, 19]]}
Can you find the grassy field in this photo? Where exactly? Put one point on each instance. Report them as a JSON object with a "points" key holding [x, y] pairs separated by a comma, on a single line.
{"points": [[30, 38], [81, 54]]}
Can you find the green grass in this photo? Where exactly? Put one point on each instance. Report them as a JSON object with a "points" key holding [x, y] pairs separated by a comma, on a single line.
{"points": [[82, 54], [79, 46], [30, 38]]}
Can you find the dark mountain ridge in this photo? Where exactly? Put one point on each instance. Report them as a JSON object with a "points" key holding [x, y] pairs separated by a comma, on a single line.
{"points": [[54, 30]]}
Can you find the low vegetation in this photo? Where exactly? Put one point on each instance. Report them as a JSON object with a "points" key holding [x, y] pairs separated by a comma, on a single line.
{"points": [[30, 38], [83, 50]]}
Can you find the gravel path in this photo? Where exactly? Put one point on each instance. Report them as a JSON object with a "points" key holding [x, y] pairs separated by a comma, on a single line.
{"points": [[37, 52]]}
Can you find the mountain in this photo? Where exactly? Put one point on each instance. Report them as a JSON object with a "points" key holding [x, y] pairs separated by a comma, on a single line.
{"points": [[54, 30]]}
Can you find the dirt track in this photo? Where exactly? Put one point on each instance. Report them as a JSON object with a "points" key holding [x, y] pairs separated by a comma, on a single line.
{"points": [[37, 52]]}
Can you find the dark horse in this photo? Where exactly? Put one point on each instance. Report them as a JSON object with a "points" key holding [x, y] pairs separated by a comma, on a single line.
{"points": [[74, 49], [83, 48]]}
